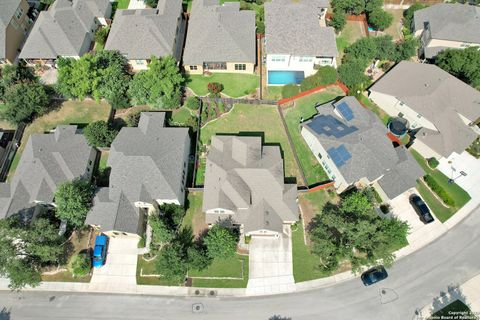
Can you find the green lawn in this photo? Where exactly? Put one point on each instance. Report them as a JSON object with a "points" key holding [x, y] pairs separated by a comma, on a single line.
{"points": [[194, 217], [182, 115], [235, 85], [273, 93], [458, 307], [252, 120], [460, 196], [352, 32], [384, 117], [226, 268], [122, 4], [148, 268], [305, 107]]}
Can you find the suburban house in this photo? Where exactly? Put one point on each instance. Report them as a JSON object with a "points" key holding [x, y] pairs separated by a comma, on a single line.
{"points": [[47, 161], [221, 38], [441, 110], [352, 145], [244, 185], [447, 25], [142, 33], [297, 40], [14, 25], [149, 167], [66, 29]]}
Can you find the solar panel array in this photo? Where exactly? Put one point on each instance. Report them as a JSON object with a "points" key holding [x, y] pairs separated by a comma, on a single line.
{"points": [[345, 111], [330, 126], [339, 155]]}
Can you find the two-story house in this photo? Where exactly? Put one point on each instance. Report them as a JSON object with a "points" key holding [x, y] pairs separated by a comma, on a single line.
{"points": [[66, 29], [149, 167], [441, 110], [14, 25], [47, 161], [297, 40], [447, 26], [142, 33], [220, 38]]}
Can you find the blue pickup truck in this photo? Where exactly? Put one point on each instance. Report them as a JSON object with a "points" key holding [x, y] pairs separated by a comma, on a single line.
{"points": [[100, 251]]}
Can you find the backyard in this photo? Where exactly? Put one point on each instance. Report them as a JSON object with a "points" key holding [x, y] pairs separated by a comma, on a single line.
{"points": [[234, 85], [194, 217], [353, 31], [251, 120], [441, 211], [366, 102], [395, 29], [79, 113], [305, 108]]}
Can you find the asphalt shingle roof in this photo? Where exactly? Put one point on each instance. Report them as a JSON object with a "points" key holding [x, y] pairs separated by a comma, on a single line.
{"points": [[7, 10], [220, 33], [440, 98], [293, 27]]}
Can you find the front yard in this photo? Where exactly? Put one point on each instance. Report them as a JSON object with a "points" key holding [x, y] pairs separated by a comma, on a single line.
{"points": [[229, 273], [305, 108], [234, 85], [251, 120]]}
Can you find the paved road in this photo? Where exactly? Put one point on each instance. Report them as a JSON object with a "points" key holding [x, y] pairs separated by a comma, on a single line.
{"points": [[414, 282]]}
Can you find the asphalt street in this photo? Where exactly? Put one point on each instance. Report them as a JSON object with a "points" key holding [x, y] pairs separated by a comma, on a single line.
{"points": [[414, 281]]}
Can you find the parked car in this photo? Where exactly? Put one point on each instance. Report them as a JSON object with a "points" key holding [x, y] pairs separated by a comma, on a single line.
{"points": [[100, 251], [374, 275], [421, 209]]}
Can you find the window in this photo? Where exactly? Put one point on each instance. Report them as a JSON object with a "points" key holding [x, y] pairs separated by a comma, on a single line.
{"points": [[306, 59], [90, 162], [193, 67], [419, 116], [320, 156], [140, 62], [19, 13], [278, 58], [240, 66]]}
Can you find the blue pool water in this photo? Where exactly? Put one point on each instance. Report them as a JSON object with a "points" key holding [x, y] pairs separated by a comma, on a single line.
{"points": [[285, 77]]}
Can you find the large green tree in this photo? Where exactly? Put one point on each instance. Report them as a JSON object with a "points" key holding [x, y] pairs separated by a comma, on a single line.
{"points": [[221, 242], [380, 19], [409, 13], [172, 262], [24, 101], [461, 63], [73, 200], [14, 73], [100, 134], [159, 86]]}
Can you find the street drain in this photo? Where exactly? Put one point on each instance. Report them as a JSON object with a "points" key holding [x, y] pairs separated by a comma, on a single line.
{"points": [[197, 308]]}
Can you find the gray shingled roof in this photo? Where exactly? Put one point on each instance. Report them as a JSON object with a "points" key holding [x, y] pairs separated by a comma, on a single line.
{"points": [[147, 164], [438, 97], [220, 33], [66, 29], [293, 27], [247, 178], [372, 152], [7, 10], [448, 21], [141, 33], [47, 161]]}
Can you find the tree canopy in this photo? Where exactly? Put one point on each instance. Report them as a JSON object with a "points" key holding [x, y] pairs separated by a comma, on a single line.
{"points": [[24, 101], [73, 200], [408, 14], [221, 242], [100, 134], [461, 63]]}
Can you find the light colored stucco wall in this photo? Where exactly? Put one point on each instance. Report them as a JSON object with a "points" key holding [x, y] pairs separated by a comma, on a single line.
{"points": [[138, 65], [15, 33], [117, 234], [297, 63], [450, 44], [249, 68]]}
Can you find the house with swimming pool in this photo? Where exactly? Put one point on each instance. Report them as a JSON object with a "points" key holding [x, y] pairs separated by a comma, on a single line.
{"points": [[297, 40]]}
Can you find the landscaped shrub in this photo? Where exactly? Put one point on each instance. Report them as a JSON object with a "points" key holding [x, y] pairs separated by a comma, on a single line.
{"points": [[101, 35], [339, 20], [193, 103], [432, 162], [325, 75], [133, 118], [438, 189], [80, 265], [214, 88], [290, 90]]}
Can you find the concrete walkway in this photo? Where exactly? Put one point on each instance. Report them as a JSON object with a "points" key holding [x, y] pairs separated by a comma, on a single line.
{"points": [[136, 4]]}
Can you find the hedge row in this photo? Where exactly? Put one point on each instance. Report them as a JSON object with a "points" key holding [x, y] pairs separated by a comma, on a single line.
{"points": [[438, 189]]}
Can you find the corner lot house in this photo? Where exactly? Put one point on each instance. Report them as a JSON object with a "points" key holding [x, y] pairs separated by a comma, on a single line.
{"points": [[47, 161], [143, 33], [244, 184], [149, 167], [447, 25], [441, 109], [221, 38], [66, 29], [14, 24], [297, 40], [352, 146]]}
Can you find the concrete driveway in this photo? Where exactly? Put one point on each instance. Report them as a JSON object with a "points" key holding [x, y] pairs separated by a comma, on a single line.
{"points": [[270, 265], [136, 4], [403, 210], [121, 265], [464, 169]]}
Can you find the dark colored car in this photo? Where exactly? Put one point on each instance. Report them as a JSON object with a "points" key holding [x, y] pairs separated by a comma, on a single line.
{"points": [[374, 275], [421, 209]]}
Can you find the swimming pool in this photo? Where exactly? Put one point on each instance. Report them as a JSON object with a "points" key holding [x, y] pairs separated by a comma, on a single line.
{"points": [[285, 77]]}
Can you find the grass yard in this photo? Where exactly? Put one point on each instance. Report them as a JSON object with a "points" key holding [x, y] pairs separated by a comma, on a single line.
{"points": [[382, 115], [182, 115], [80, 113], [395, 29], [122, 4], [235, 85], [252, 120], [305, 107], [273, 93], [460, 196], [148, 268], [236, 267], [195, 217], [352, 32], [312, 203]]}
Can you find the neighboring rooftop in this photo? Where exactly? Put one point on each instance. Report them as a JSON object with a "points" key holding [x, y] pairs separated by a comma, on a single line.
{"points": [[440, 98], [7, 10], [293, 27], [47, 161], [147, 164], [220, 33], [66, 29], [143, 33], [247, 178], [450, 21], [356, 141]]}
